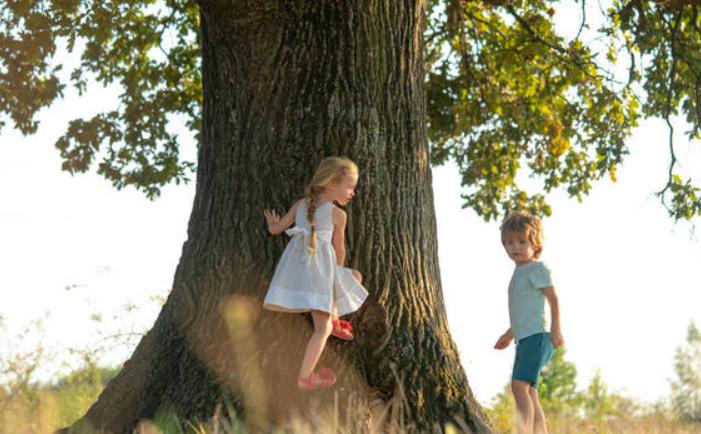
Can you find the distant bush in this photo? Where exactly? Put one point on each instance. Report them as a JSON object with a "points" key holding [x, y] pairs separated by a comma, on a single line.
{"points": [[36, 408], [31, 406]]}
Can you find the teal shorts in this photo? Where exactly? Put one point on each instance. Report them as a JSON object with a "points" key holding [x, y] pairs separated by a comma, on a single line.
{"points": [[532, 353]]}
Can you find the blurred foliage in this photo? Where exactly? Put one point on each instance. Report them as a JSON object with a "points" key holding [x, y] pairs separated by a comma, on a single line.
{"points": [[599, 404], [686, 387], [557, 388], [33, 407], [76, 392], [43, 387], [502, 411], [507, 95]]}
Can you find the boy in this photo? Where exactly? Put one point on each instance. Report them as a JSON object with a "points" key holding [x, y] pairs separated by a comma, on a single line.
{"points": [[530, 286]]}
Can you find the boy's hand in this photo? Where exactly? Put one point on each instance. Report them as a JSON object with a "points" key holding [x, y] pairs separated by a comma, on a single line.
{"points": [[503, 342], [556, 338]]}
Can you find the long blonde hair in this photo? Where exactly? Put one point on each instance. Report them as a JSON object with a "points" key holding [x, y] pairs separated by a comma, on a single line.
{"points": [[329, 169]]}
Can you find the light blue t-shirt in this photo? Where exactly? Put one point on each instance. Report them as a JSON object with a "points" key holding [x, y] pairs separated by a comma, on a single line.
{"points": [[527, 300]]}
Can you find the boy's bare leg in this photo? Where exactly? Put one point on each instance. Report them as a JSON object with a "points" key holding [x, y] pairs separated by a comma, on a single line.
{"points": [[524, 406], [539, 425]]}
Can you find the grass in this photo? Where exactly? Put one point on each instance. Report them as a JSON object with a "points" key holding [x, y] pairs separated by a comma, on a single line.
{"points": [[31, 407], [27, 408]]}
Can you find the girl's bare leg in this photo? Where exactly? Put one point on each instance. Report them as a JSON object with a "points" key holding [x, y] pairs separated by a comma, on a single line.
{"points": [[359, 278], [334, 312], [317, 342], [357, 275]]}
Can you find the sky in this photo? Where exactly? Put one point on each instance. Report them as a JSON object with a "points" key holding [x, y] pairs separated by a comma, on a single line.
{"points": [[91, 261]]}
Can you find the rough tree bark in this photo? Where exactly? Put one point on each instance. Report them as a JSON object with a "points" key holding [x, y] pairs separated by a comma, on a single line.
{"points": [[285, 84]]}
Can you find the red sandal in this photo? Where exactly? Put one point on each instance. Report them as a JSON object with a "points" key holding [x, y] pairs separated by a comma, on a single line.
{"points": [[342, 329], [324, 378]]}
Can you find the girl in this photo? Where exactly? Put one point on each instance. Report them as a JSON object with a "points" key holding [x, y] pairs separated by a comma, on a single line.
{"points": [[310, 275]]}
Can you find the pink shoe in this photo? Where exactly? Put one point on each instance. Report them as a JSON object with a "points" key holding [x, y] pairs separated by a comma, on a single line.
{"points": [[342, 329], [324, 378]]}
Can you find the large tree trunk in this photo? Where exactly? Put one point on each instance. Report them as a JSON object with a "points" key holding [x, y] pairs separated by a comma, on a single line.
{"points": [[285, 84]]}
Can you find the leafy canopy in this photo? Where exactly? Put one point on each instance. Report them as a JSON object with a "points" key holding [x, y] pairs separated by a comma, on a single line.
{"points": [[149, 48], [507, 94]]}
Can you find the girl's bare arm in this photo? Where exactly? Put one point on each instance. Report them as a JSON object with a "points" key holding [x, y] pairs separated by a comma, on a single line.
{"points": [[339, 230], [277, 224]]}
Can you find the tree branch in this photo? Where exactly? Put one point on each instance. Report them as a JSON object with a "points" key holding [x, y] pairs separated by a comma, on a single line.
{"points": [[532, 32], [668, 112], [675, 4], [564, 55], [584, 20]]}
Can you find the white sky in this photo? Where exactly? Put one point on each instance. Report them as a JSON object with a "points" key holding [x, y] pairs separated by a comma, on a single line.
{"points": [[626, 274]]}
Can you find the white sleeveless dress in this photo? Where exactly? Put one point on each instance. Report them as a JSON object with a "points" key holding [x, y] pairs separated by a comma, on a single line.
{"points": [[304, 281]]}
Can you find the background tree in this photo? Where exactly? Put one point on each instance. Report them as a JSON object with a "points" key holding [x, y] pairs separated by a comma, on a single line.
{"points": [[598, 403], [503, 92], [686, 387], [558, 386]]}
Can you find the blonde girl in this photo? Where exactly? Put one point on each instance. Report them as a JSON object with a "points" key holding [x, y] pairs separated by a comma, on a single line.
{"points": [[310, 276]]}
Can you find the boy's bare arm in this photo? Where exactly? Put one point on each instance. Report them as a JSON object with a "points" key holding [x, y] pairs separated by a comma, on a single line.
{"points": [[555, 330], [504, 340]]}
